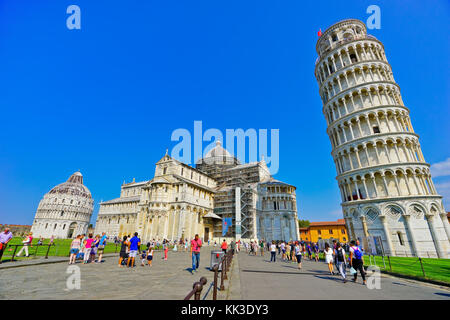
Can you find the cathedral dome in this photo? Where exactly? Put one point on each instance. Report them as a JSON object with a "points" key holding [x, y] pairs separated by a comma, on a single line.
{"points": [[218, 155], [73, 186]]}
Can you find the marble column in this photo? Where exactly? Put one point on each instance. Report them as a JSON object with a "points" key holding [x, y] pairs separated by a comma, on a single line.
{"points": [[366, 232], [446, 224], [439, 251], [411, 234], [387, 233]]}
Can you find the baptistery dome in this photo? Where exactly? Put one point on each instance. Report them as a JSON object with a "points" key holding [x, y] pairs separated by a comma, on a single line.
{"points": [[73, 186], [65, 210]]}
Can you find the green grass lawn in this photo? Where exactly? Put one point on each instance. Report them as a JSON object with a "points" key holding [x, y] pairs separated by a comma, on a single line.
{"points": [[61, 248], [435, 269]]}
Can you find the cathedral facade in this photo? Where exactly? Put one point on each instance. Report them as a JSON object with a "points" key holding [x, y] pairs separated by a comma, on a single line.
{"points": [[181, 201]]}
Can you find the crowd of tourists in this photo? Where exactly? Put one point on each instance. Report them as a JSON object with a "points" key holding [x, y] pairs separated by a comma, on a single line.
{"points": [[338, 257], [89, 248]]}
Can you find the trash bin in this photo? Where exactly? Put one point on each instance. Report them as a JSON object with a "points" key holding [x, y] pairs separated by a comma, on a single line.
{"points": [[216, 257]]}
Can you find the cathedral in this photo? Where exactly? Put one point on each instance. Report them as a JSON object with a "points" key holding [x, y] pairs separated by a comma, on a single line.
{"points": [[181, 201]]}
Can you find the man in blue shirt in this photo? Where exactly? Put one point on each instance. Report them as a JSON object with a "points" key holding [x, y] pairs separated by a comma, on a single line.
{"points": [[135, 242], [101, 247]]}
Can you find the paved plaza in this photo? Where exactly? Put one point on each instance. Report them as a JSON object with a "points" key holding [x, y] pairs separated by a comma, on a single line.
{"points": [[251, 277], [261, 279], [171, 279]]}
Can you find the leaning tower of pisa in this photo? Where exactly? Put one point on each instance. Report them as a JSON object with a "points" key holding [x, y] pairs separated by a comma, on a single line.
{"points": [[385, 183]]}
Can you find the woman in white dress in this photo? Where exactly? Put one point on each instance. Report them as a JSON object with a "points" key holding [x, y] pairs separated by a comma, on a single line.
{"points": [[329, 257]]}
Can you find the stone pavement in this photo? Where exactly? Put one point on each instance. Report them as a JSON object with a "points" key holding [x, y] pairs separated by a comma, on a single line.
{"points": [[171, 279], [262, 279]]}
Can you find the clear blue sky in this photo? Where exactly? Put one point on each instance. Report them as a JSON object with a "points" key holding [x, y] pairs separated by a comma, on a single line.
{"points": [[105, 99]]}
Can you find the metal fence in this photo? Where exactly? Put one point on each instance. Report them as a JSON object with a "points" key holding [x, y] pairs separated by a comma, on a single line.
{"points": [[433, 269], [33, 250], [225, 264]]}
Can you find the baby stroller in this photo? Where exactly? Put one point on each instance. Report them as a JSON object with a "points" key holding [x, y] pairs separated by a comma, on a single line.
{"points": [[80, 256]]}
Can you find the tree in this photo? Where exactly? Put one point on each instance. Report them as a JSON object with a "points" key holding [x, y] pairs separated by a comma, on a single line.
{"points": [[303, 223]]}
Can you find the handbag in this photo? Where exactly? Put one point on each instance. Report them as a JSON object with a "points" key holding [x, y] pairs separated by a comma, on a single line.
{"points": [[352, 270]]}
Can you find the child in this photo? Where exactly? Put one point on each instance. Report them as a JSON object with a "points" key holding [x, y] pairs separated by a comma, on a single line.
{"points": [[166, 249], [150, 257], [143, 256]]}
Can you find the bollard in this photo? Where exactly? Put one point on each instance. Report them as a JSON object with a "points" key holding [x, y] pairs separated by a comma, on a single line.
{"points": [[390, 266], [216, 270], [222, 287], [384, 263], [421, 265]]}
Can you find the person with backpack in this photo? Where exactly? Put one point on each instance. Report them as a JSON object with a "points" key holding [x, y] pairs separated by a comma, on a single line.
{"points": [[316, 252], [340, 261], [357, 261]]}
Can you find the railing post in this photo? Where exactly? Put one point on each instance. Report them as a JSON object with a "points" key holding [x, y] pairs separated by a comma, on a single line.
{"points": [[37, 248], [14, 254], [421, 265], [216, 270], [222, 287], [224, 267], [46, 255]]}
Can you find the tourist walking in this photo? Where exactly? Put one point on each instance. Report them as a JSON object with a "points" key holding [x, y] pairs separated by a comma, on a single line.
{"points": [[273, 251], [357, 261], [340, 261], [143, 257], [316, 252], [87, 248], [74, 249], [5, 237], [329, 257], [283, 251], [291, 254], [334, 252], [26, 243], [298, 254], [224, 246], [123, 250], [196, 244], [135, 242], [165, 248], [150, 256]]}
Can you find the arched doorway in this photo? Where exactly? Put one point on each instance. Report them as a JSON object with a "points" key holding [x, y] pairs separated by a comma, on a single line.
{"points": [[71, 230]]}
